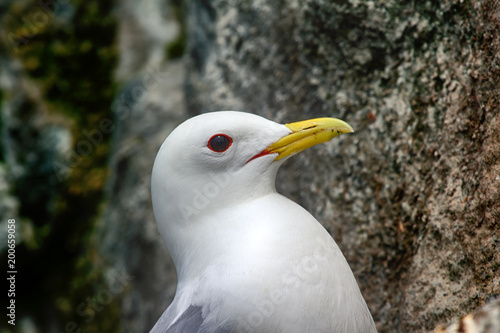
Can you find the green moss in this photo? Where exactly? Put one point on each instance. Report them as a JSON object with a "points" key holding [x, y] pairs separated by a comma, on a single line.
{"points": [[72, 64], [176, 48]]}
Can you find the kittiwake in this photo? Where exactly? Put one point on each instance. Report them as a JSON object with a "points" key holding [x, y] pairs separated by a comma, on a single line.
{"points": [[247, 258]]}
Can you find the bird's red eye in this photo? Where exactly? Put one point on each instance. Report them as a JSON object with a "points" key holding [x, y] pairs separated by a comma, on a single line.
{"points": [[219, 143]]}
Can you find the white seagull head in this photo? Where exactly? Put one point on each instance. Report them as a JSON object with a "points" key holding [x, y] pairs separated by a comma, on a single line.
{"points": [[219, 159]]}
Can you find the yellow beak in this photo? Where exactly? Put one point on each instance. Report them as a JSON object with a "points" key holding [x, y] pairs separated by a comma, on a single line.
{"points": [[306, 134]]}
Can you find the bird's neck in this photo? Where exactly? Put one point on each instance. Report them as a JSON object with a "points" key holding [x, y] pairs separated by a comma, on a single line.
{"points": [[212, 235], [190, 223]]}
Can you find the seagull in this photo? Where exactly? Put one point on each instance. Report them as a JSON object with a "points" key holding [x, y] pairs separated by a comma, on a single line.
{"points": [[247, 258]]}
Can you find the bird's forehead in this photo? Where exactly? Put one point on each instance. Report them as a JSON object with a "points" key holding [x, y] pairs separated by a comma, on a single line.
{"points": [[229, 122]]}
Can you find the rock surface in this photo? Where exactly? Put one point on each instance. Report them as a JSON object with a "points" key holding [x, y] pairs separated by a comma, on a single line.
{"points": [[412, 198], [149, 106], [484, 320]]}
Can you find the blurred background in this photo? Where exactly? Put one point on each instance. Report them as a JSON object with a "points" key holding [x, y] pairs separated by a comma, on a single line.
{"points": [[90, 89]]}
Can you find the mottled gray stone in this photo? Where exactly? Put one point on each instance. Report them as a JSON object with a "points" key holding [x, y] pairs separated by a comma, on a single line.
{"points": [[127, 237], [149, 105], [412, 197], [484, 320]]}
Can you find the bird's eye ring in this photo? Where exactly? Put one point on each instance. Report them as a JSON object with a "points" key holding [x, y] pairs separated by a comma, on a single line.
{"points": [[219, 143]]}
